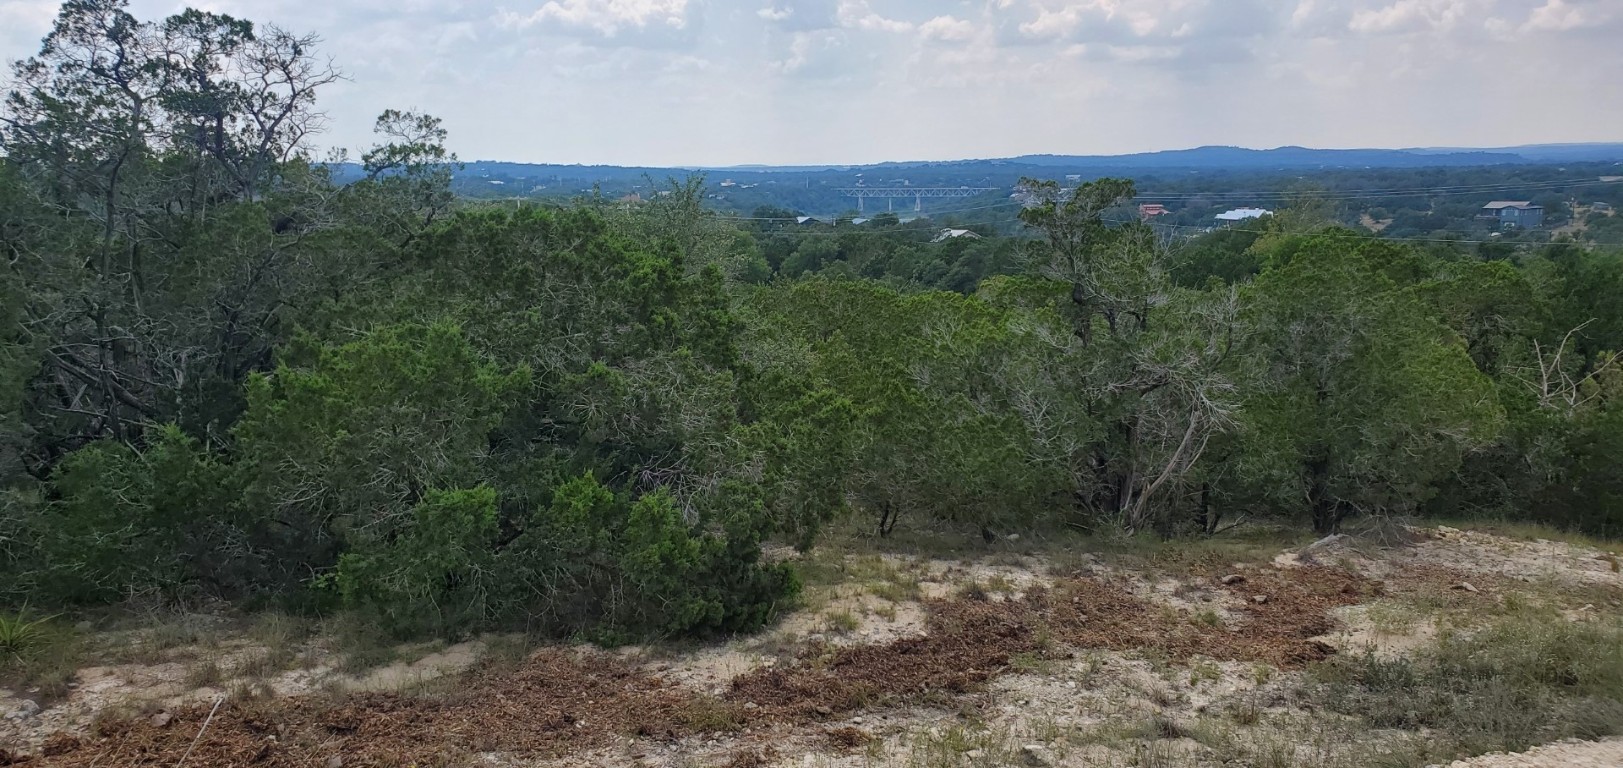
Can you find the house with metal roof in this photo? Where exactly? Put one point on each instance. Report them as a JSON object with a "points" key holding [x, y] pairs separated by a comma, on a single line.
{"points": [[1513, 213], [1242, 214], [954, 234]]}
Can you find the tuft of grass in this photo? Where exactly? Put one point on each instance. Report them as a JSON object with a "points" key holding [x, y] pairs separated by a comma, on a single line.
{"points": [[268, 662], [274, 629], [1204, 671], [841, 622], [1027, 661], [205, 674], [706, 714], [967, 743], [38, 653], [997, 583], [1392, 618], [21, 636], [1515, 683]]}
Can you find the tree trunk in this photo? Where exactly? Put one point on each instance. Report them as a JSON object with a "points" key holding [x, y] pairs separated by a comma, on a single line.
{"points": [[1327, 512]]}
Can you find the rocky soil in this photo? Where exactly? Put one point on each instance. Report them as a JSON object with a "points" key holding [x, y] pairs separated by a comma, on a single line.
{"points": [[907, 661]]}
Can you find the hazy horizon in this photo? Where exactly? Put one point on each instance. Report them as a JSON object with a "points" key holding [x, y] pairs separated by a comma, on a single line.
{"points": [[690, 83]]}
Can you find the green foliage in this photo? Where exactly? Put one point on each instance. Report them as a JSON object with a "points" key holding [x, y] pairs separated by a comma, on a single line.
{"points": [[931, 433], [437, 574], [128, 521], [1368, 399], [20, 636], [342, 441], [223, 373], [638, 567]]}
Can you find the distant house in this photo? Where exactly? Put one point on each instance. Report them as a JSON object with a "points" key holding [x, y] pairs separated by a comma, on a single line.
{"points": [[1601, 207], [953, 234], [1513, 213], [1149, 211], [1242, 214]]}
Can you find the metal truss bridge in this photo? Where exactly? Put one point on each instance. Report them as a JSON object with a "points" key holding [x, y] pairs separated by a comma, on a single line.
{"points": [[891, 194]]}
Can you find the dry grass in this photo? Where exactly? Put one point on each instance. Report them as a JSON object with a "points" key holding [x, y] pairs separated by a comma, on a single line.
{"points": [[1513, 684]]}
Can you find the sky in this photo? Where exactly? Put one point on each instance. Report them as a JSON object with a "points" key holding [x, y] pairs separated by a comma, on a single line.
{"points": [[721, 82]]}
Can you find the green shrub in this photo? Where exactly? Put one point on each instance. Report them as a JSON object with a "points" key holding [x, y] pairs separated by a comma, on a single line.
{"points": [[130, 521], [593, 561], [436, 575], [638, 567], [339, 447]]}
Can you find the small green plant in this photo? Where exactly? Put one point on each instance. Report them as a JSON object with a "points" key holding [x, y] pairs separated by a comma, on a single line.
{"points": [[21, 636], [1000, 584], [37, 653], [1204, 671]]}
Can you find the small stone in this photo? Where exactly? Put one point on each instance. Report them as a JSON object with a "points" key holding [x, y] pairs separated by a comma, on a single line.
{"points": [[84, 626], [974, 754], [28, 708], [751, 705], [1465, 586], [824, 711], [1014, 537], [1071, 684], [1259, 599], [1232, 579], [1034, 754], [335, 762], [856, 721], [161, 719], [817, 638]]}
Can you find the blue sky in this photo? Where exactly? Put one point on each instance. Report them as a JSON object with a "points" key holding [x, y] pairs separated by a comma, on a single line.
{"points": [[669, 82]]}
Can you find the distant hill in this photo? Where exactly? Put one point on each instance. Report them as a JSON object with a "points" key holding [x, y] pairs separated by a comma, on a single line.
{"points": [[1199, 158], [1239, 158], [820, 189]]}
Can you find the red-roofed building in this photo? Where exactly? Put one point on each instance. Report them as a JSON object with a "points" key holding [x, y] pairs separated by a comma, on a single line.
{"points": [[1149, 211]]}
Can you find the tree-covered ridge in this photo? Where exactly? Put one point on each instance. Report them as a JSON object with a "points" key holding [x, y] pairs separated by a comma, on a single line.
{"points": [[223, 373]]}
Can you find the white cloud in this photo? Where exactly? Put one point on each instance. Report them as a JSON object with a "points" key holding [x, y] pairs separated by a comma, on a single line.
{"points": [[607, 17], [947, 28], [855, 14], [1414, 15], [783, 80], [1556, 16]]}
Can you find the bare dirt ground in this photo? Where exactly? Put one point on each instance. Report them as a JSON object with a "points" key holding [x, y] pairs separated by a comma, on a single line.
{"points": [[1006, 659], [1577, 754]]}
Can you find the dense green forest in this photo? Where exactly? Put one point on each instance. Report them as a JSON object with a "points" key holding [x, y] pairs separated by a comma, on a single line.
{"points": [[224, 374]]}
